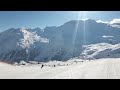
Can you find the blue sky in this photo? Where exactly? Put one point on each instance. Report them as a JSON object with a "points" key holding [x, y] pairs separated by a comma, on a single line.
{"points": [[33, 19]]}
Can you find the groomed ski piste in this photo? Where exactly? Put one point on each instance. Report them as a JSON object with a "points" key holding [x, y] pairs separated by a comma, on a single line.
{"points": [[108, 68]]}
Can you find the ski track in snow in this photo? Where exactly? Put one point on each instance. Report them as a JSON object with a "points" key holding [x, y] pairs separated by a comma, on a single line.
{"points": [[98, 69]]}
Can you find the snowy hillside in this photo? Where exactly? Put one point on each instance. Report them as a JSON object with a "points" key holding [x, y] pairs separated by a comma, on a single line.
{"points": [[101, 50], [61, 42], [97, 69], [16, 44]]}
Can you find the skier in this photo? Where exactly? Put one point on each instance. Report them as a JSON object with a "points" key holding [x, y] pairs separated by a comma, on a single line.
{"points": [[42, 66]]}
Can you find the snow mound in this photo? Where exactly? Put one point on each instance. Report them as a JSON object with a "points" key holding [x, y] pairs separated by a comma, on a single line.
{"points": [[22, 62]]}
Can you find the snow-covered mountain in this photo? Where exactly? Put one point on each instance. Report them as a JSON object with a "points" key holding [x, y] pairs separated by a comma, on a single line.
{"points": [[59, 42], [17, 44], [100, 50]]}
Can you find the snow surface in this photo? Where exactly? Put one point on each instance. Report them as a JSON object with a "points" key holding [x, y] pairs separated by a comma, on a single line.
{"points": [[97, 69]]}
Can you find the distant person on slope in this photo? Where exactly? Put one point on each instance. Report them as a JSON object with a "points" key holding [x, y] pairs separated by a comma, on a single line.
{"points": [[42, 66]]}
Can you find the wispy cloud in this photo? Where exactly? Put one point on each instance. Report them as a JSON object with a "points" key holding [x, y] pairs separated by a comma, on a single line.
{"points": [[115, 21]]}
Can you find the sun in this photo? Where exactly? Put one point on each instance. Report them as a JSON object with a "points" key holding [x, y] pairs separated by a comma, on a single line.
{"points": [[83, 15]]}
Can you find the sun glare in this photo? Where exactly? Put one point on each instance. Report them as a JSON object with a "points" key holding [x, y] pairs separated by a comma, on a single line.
{"points": [[81, 16]]}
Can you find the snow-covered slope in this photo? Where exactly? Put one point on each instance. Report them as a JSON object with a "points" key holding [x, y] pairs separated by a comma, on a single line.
{"points": [[17, 44], [97, 69], [56, 42], [101, 50]]}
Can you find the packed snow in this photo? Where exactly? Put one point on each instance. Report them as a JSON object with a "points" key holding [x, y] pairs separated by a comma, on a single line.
{"points": [[73, 69]]}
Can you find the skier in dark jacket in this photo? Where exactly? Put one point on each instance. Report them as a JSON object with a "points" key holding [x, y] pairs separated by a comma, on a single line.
{"points": [[42, 66]]}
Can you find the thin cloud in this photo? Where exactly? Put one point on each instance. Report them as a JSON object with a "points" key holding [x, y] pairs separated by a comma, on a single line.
{"points": [[115, 21]]}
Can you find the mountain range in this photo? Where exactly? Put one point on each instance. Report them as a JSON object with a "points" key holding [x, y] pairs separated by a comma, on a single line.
{"points": [[75, 38]]}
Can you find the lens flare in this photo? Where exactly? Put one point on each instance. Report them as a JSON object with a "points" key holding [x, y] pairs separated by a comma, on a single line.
{"points": [[81, 16], [84, 28]]}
